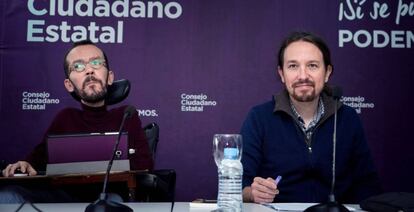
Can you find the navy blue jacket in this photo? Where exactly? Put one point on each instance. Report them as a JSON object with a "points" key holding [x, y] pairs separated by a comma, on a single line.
{"points": [[274, 144]]}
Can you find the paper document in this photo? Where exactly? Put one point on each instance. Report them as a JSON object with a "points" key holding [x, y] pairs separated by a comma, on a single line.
{"points": [[302, 206]]}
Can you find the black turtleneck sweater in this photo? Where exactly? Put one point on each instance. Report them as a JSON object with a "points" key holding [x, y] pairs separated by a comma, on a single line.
{"points": [[96, 120]]}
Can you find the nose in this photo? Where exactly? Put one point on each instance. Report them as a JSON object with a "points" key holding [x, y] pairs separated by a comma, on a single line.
{"points": [[303, 73], [89, 70]]}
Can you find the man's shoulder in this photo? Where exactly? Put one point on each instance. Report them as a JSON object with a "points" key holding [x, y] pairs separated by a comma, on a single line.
{"points": [[265, 107], [349, 115], [348, 110], [261, 111], [118, 109]]}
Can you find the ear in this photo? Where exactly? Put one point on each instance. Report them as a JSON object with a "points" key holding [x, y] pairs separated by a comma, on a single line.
{"points": [[328, 73], [280, 71], [111, 77], [68, 85]]}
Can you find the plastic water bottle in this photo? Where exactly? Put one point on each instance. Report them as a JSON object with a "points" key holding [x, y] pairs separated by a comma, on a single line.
{"points": [[230, 174]]}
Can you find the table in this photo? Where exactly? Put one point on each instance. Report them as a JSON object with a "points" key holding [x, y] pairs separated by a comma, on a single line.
{"points": [[147, 207], [160, 207], [127, 177]]}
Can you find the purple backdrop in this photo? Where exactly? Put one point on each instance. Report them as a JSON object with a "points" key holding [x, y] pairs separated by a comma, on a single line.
{"points": [[217, 53]]}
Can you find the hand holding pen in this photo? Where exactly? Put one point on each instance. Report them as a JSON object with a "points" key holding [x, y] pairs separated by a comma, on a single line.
{"points": [[264, 190]]}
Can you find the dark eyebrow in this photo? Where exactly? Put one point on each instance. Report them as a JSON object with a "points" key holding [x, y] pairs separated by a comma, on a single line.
{"points": [[94, 58], [78, 61], [292, 61]]}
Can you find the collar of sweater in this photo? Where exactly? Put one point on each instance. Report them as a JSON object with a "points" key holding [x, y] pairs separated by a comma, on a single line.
{"points": [[94, 113], [282, 103]]}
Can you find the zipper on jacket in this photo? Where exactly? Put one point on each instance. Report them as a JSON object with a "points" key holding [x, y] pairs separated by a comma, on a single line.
{"points": [[308, 142]]}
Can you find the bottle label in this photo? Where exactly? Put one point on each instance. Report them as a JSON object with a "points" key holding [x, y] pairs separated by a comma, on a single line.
{"points": [[231, 153]]}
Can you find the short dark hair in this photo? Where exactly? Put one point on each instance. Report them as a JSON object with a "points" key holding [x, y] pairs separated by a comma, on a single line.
{"points": [[81, 43], [307, 37]]}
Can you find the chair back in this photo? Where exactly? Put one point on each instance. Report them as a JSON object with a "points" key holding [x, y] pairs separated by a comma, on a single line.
{"points": [[152, 132], [156, 185]]}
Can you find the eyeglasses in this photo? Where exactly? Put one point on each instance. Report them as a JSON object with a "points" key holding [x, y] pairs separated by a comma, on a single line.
{"points": [[80, 66]]}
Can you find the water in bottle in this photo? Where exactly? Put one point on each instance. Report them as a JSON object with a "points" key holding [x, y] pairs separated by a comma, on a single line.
{"points": [[230, 173]]}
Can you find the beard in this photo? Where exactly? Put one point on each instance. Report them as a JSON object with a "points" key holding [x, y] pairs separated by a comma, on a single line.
{"points": [[96, 95], [304, 96]]}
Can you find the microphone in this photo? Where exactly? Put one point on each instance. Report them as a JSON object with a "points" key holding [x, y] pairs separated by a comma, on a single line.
{"points": [[332, 205], [102, 203]]}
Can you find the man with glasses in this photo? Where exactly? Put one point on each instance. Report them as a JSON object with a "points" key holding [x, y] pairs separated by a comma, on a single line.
{"points": [[88, 75]]}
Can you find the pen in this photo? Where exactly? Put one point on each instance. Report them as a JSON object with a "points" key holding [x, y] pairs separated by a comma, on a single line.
{"points": [[278, 179]]}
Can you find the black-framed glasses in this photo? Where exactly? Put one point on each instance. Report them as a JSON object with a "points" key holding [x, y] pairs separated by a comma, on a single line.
{"points": [[80, 66]]}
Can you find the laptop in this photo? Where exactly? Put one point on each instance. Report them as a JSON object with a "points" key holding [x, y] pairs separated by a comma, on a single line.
{"points": [[86, 153]]}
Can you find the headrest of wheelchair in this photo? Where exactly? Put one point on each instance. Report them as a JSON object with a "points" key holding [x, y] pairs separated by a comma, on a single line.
{"points": [[117, 92]]}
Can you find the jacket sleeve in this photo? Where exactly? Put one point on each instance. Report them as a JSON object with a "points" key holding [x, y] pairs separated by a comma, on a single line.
{"points": [[252, 135], [142, 158], [366, 182], [38, 156]]}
